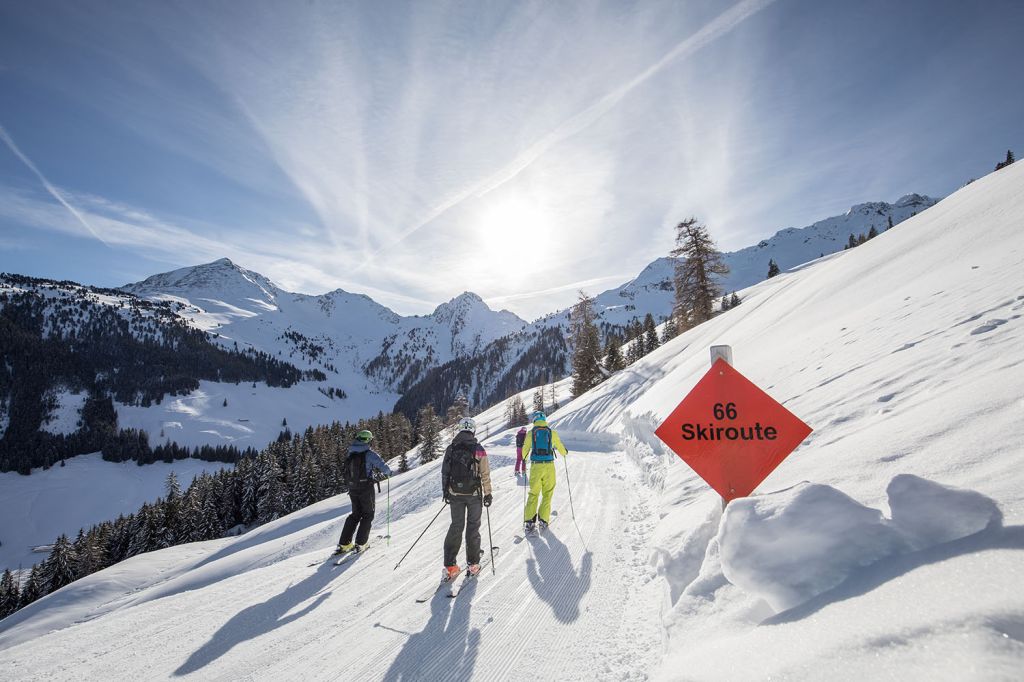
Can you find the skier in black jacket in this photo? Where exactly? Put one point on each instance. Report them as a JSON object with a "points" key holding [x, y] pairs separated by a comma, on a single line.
{"points": [[364, 467], [466, 487]]}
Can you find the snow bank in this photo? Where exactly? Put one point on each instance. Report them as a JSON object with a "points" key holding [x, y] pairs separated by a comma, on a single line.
{"points": [[790, 546], [928, 513]]}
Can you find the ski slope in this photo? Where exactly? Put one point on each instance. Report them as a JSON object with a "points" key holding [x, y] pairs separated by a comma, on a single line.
{"points": [[267, 613], [888, 546]]}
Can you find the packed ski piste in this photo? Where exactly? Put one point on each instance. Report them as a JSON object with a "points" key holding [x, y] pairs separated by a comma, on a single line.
{"points": [[578, 546]]}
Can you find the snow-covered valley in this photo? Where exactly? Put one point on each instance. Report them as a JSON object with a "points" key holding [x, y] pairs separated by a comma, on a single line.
{"points": [[887, 545]]}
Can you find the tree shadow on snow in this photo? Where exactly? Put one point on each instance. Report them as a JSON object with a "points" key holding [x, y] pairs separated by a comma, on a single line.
{"points": [[881, 572], [258, 619], [445, 649], [554, 578]]}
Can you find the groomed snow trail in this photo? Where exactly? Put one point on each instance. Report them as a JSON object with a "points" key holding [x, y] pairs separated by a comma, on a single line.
{"points": [[556, 609]]}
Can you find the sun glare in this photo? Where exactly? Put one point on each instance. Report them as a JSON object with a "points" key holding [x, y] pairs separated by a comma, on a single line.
{"points": [[509, 226]]}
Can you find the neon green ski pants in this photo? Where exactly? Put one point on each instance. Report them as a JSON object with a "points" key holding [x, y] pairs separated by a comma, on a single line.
{"points": [[542, 486]]}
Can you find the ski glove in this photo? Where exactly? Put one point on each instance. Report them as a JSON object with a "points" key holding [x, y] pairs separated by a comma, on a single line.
{"points": [[447, 499], [487, 500]]}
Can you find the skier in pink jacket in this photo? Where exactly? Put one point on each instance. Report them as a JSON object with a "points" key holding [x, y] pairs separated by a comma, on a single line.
{"points": [[520, 462]]}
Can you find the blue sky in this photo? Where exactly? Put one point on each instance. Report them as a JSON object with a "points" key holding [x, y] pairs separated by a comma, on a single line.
{"points": [[520, 150]]}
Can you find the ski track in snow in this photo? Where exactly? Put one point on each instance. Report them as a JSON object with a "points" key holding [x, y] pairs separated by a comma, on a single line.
{"points": [[555, 605]]}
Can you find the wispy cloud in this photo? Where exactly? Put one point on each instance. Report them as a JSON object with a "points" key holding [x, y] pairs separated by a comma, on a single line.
{"points": [[54, 192], [715, 29], [414, 150]]}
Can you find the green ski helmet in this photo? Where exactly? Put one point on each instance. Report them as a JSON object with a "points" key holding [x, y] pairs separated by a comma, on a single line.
{"points": [[364, 436]]}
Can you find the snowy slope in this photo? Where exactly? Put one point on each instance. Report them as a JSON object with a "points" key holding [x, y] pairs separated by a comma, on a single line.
{"points": [[87, 490], [905, 357]]}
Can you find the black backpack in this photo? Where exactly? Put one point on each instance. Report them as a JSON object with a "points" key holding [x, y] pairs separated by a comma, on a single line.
{"points": [[356, 470], [463, 469]]}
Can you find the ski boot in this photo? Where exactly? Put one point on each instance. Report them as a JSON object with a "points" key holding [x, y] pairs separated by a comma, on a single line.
{"points": [[450, 573], [341, 549]]}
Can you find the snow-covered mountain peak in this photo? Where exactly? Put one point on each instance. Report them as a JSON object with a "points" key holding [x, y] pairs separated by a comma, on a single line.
{"points": [[459, 305], [918, 200], [220, 279], [911, 201], [468, 307]]}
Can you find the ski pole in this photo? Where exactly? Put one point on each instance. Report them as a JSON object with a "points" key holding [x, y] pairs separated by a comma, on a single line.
{"points": [[418, 539], [490, 538], [569, 487], [389, 511]]}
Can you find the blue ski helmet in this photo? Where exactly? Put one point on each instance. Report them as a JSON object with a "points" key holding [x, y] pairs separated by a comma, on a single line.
{"points": [[539, 417]]}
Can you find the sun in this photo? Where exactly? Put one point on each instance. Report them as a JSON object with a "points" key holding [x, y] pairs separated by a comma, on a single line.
{"points": [[510, 226]]}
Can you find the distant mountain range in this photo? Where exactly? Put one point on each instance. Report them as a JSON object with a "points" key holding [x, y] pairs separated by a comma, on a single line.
{"points": [[374, 359]]}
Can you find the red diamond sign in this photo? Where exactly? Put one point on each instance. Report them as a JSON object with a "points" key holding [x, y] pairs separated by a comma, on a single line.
{"points": [[731, 432]]}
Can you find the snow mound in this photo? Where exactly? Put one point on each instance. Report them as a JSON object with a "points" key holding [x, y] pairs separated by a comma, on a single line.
{"points": [[790, 546], [929, 513]]}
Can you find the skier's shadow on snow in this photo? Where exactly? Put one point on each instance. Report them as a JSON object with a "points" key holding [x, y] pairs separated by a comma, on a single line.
{"points": [[445, 649], [873, 576], [258, 619], [554, 578]]}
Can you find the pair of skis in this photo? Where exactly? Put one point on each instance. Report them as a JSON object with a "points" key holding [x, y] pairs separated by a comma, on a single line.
{"points": [[537, 530], [342, 557], [458, 581]]}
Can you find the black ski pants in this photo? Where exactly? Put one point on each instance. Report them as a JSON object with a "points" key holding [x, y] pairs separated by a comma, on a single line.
{"points": [[466, 510], [364, 501]]}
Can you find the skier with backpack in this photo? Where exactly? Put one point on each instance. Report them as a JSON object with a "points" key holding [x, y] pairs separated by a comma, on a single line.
{"points": [[544, 442], [466, 488], [520, 462], [363, 469]]}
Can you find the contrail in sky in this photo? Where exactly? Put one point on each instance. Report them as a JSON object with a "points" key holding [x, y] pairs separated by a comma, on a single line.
{"points": [[46, 183], [711, 32]]}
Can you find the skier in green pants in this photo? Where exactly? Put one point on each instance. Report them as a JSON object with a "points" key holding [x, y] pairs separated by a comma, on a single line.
{"points": [[544, 442]]}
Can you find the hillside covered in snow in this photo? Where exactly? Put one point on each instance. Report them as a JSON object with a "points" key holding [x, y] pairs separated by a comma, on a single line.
{"points": [[888, 545]]}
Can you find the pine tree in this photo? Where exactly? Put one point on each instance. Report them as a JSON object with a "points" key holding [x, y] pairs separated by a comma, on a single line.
{"points": [[552, 399], [613, 360], [270, 493], [225, 403], [734, 300], [10, 594], [517, 411], [651, 340], [586, 346], [429, 433], [170, 529], [872, 233], [635, 351], [669, 330], [698, 264], [773, 268], [59, 569], [725, 302], [538, 399], [852, 243], [889, 220], [34, 588]]}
